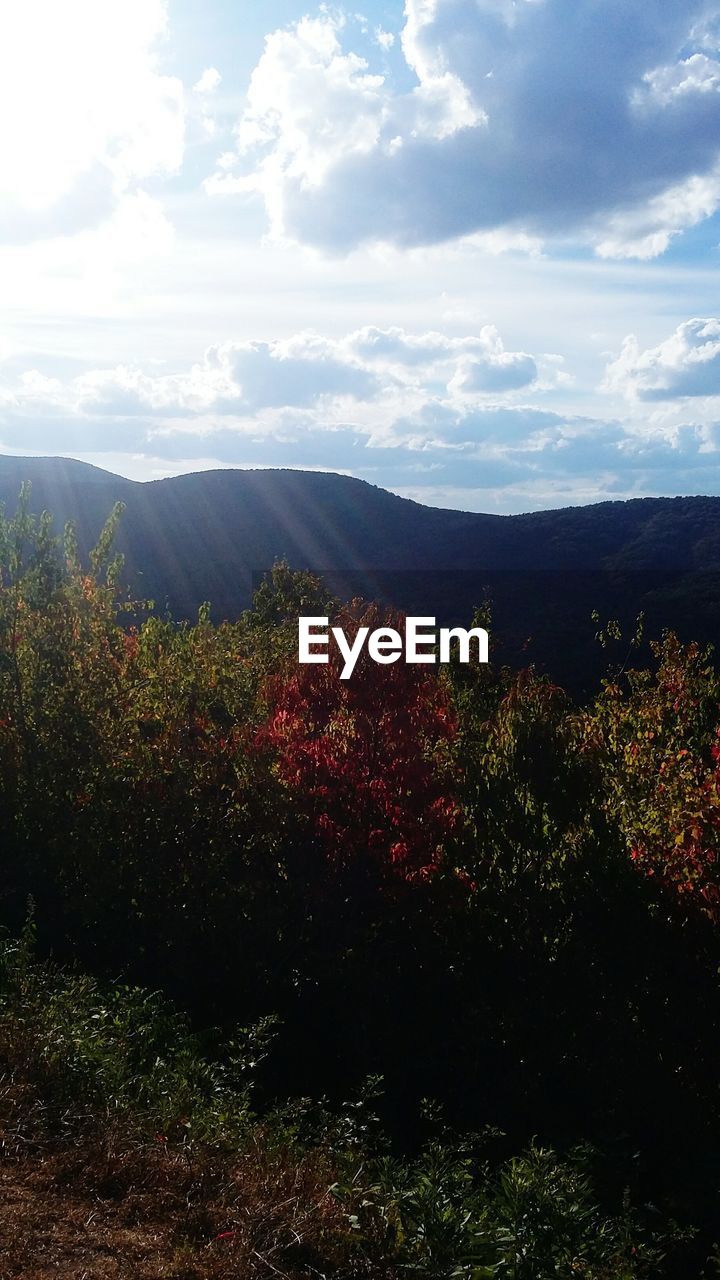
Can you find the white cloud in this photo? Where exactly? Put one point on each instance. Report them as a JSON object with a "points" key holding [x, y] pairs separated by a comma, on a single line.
{"points": [[250, 381], [316, 102], [697, 74], [493, 369], [87, 114], [477, 364], [646, 232], [204, 90], [421, 412], [311, 106], [686, 364], [236, 379], [530, 117], [209, 81], [407, 397], [385, 39]]}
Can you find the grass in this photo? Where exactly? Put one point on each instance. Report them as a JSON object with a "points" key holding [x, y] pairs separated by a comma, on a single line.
{"points": [[126, 1151]]}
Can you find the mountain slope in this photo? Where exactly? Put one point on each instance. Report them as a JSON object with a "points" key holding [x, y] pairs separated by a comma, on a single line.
{"points": [[206, 536]]}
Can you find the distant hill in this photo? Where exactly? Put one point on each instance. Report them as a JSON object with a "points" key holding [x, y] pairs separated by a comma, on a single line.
{"points": [[209, 535]]}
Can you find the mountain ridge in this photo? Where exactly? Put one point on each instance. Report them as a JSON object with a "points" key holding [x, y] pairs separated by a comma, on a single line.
{"points": [[210, 535]]}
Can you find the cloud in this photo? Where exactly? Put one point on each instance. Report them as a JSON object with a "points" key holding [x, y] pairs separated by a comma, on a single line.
{"points": [[430, 413], [204, 90], [480, 363], [311, 108], [439, 424], [87, 114], [239, 379], [387, 399], [647, 231], [305, 371], [271, 376], [208, 82], [530, 117], [495, 371], [686, 364], [385, 39]]}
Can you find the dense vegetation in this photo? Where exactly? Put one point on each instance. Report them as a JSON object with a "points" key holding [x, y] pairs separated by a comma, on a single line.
{"points": [[445, 944]]}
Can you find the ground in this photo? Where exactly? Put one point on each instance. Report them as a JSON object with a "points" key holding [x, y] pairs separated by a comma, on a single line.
{"points": [[50, 1229], [85, 1198]]}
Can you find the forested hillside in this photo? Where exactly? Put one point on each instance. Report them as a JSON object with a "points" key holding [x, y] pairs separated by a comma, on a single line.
{"points": [[413, 974], [210, 536]]}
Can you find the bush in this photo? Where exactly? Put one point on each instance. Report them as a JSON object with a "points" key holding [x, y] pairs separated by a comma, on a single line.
{"points": [[461, 882]]}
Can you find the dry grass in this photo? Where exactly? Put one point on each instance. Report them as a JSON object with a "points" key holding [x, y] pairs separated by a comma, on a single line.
{"points": [[104, 1206]]}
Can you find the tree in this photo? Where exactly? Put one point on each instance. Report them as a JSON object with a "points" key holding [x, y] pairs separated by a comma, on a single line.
{"points": [[369, 759]]}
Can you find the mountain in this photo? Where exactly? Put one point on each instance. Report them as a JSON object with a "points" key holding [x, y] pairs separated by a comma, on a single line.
{"points": [[210, 535]]}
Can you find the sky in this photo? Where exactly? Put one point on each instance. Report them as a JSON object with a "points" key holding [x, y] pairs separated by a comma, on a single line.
{"points": [[468, 250]]}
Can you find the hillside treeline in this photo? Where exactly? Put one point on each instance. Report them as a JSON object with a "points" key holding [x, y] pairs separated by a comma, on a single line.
{"points": [[493, 911]]}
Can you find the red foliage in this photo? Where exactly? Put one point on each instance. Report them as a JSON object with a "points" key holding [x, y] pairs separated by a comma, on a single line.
{"points": [[369, 758]]}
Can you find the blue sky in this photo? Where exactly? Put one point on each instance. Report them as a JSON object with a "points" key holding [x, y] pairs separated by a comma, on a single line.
{"points": [[465, 249]]}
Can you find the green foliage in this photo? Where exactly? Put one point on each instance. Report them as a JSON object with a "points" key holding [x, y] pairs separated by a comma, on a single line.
{"points": [[534, 1217], [102, 560], [464, 884], [657, 743], [122, 1052], [123, 1056], [284, 595]]}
